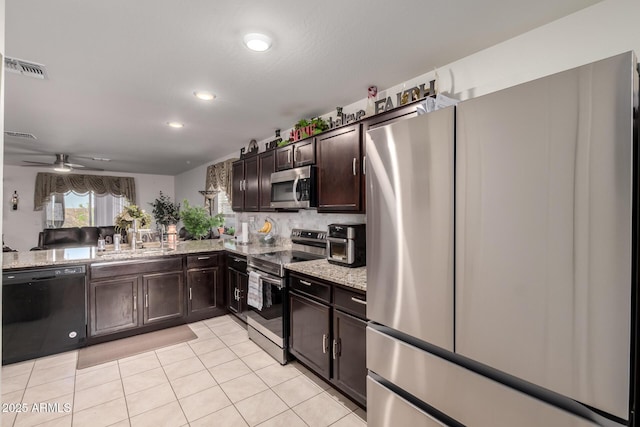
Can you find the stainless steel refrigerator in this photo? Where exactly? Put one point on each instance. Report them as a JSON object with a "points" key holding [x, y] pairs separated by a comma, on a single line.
{"points": [[501, 257]]}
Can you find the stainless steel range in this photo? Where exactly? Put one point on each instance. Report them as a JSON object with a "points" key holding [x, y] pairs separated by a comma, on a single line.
{"points": [[267, 299]]}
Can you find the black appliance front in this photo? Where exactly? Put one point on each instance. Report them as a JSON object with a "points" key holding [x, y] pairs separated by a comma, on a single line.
{"points": [[43, 313]]}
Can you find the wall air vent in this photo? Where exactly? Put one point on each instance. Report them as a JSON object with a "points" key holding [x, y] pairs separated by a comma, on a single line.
{"points": [[20, 134], [26, 68]]}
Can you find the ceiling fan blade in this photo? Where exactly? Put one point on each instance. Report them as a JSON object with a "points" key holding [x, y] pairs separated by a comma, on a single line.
{"points": [[74, 165], [84, 168], [35, 163]]}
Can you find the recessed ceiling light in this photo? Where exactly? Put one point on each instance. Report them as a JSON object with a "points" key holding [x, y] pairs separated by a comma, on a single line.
{"points": [[205, 96], [257, 42], [175, 125]]}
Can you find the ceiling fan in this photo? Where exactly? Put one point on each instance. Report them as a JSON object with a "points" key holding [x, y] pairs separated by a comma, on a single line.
{"points": [[61, 164]]}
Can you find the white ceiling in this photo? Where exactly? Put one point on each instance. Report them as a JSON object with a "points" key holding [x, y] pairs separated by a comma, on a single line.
{"points": [[119, 70]]}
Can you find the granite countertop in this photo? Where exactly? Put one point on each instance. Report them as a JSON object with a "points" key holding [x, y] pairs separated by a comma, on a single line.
{"points": [[321, 268], [82, 255]]}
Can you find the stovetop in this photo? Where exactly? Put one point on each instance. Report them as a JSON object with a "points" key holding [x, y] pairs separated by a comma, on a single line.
{"points": [[307, 245]]}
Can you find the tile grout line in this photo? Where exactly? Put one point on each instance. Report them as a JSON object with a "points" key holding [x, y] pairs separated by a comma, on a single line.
{"points": [[172, 390], [124, 394]]}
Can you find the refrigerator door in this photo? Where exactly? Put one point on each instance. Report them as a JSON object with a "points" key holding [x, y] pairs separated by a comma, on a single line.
{"points": [[544, 233], [410, 226]]}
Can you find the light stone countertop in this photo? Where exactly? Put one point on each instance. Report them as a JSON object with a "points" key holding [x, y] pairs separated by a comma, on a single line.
{"points": [[321, 268], [84, 255]]}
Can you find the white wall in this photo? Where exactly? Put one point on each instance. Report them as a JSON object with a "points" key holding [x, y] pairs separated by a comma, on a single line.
{"points": [[21, 227]]}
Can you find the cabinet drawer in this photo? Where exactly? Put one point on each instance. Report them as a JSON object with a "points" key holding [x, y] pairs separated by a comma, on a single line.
{"points": [[202, 261], [312, 288], [237, 262], [352, 302], [138, 266]]}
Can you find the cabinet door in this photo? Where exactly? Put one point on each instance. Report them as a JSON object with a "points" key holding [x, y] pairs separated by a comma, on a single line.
{"points": [[251, 185], [237, 183], [205, 292], [284, 158], [267, 165], [309, 331], [243, 289], [233, 291], [163, 296], [304, 153], [349, 352], [339, 170], [113, 305]]}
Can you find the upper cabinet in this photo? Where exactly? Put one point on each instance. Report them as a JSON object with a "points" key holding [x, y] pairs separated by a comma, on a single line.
{"points": [[244, 190], [295, 155], [251, 182], [339, 162]]}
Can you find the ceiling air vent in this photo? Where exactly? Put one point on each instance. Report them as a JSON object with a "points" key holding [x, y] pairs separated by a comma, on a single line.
{"points": [[26, 68], [20, 134]]}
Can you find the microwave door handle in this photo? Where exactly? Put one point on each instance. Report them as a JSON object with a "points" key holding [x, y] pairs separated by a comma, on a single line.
{"points": [[295, 189]]}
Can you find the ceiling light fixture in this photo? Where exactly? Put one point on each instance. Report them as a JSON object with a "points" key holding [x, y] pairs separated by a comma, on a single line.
{"points": [[257, 42], [175, 125], [62, 168], [205, 96]]}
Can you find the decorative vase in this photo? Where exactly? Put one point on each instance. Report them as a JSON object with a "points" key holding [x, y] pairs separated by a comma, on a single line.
{"points": [[171, 235]]}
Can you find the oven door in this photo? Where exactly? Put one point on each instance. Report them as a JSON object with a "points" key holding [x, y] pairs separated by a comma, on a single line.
{"points": [[340, 250], [269, 321]]}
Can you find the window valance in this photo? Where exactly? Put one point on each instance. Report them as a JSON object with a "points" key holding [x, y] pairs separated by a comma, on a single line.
{"points": [[219, 177], [51, 183]]}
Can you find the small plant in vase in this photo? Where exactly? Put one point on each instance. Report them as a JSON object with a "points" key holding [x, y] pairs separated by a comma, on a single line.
{"points": [[197, 220], [165, 212]]}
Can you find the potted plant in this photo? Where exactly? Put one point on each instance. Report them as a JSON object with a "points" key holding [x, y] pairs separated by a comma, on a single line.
{"points": [[124, 220], [197, 220], [165, 212]]}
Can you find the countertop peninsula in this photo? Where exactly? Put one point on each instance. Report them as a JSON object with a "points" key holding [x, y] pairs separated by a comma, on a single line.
{"points": [[355, 278], [80, 255]]}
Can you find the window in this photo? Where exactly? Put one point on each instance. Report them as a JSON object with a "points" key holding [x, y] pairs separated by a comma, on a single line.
{"points": [[222, 205], [80, 210]]}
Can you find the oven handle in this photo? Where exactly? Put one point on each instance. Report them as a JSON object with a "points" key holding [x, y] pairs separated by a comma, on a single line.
{"points": [[265, 277], [336, 240]]}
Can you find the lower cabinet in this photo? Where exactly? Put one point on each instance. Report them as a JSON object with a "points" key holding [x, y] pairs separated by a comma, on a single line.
{"points": [[125, 295], [163, 297], [310, 330], [113, 305], [327, 333], [237, 285], [205, 296]]}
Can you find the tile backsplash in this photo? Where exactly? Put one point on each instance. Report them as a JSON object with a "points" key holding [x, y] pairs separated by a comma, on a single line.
{"points": [[284, 222]]}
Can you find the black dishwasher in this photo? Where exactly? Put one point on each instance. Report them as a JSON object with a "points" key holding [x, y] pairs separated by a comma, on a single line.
{"points": [[43, 312]]}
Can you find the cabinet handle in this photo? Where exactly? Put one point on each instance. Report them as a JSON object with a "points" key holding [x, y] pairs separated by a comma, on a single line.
{"points": [[324, 343], [335, 349], [354, 166], [203, 257], [190, 295], [364, 165], [288, 156], [146, 300], [135, 302], [304, 282], [237, 294], [358, 300], [239, 260]]}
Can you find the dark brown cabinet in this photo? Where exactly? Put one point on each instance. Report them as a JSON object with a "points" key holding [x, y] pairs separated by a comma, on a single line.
{"points": [[339, 161], [205, 290], [163, 297], [126, 295], [310, 333], [295, 155], [266, 166], [237, 285], [327, 332], [349, 353], [113, 305], [245, 193]]}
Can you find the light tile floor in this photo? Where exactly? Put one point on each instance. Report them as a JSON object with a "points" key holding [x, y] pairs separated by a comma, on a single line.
{"points": [[219, 379]]}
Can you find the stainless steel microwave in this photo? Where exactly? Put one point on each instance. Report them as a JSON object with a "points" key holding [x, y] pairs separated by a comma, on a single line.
{"points": [[294, 188]]}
